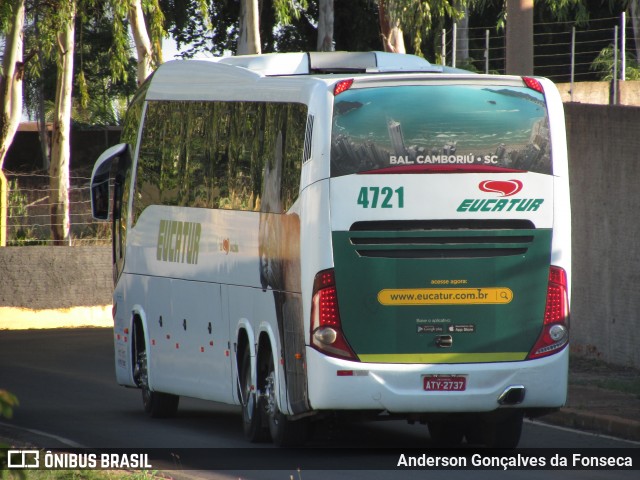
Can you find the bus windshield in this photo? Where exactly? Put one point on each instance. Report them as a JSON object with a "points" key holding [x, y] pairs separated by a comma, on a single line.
{"points": [[467, 127]]}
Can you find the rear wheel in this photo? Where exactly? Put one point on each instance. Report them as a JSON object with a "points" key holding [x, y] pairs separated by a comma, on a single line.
{"points": [[284, 432], [156, 404], [446, 434], [473, 433], [252, 404], [504, 432]]}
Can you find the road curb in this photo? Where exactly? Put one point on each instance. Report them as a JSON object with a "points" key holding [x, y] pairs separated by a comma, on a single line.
{"points": [[605, 424]]}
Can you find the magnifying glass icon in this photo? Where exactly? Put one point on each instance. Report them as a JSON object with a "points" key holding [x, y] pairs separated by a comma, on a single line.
{"points": [[504, 296]]}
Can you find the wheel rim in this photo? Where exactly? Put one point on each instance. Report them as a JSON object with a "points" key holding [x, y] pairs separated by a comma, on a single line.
{"points": [[141, 377], [271, 406], [140, 370], [248, 400]]}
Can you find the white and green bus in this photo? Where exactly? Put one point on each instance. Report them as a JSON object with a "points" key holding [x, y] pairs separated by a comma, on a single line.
{"points": [[342, 234]]}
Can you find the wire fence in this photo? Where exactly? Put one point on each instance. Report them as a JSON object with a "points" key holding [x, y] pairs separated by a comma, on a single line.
{"points": [[29, 211], [563, 51]]}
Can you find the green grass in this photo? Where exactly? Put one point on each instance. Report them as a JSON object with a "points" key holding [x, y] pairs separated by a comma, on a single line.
{"points": [[81, 475], [624, 386]]}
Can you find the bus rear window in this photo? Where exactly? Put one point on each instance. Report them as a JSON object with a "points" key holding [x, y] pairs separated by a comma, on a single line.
{"points": [[467, 126]]}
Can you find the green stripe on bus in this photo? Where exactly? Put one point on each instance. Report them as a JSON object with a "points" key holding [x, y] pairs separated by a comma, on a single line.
{"points": [[443, 357]]}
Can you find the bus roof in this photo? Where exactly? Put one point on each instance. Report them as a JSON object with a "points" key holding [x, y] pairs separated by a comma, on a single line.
{"points": [[183, 80], [290, 76]]}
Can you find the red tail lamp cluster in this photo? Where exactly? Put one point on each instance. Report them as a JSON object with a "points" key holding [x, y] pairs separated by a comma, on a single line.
{"points": [[326, 326], [555, 332]]}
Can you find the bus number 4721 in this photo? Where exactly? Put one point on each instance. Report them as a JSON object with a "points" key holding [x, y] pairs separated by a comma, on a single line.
{"points": [[382, 197]]}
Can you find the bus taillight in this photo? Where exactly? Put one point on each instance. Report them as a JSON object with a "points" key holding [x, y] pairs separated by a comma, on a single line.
{"points": [[533, 84], [555, 330], [342, 86], [326, 326]]}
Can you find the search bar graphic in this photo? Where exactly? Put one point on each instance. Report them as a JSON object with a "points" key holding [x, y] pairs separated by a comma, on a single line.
{"points": [[445, 296]]}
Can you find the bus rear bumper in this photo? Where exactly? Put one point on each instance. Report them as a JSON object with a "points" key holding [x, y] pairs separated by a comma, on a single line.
{"points": [[336, 384]]}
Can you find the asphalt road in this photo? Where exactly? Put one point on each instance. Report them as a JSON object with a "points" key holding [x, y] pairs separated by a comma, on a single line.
{"points": [[68, 397]]}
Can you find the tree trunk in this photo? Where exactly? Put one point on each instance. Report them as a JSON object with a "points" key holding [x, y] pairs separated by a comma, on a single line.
{"points": [[60, 149], [519, 39], [249, 38], [11, 81], [142, 41], [462, 34], [392, 39], [325, 26], [41, 117]]}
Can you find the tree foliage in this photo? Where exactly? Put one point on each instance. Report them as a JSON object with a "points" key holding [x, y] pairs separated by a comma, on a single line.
{"points": [[417, 18], [604, 62], [568, 10], [104, 65], [11, 74], [209, 25], [8, 401]]}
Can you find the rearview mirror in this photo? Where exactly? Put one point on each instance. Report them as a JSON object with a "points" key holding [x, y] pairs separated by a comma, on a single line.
{"points": [[100, 181]]}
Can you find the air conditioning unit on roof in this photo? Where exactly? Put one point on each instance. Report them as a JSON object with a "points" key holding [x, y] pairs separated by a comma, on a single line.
{"points": [[305, 63]]}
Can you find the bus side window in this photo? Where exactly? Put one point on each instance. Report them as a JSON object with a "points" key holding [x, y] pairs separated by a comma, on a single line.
{"points": [[213, 154]]}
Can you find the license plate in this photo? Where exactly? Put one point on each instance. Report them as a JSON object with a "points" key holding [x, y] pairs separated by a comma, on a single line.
{"points": [[444, 383]]}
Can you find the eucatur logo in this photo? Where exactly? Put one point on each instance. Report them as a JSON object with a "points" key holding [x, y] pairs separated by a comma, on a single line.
{"points": [[505, 188]]}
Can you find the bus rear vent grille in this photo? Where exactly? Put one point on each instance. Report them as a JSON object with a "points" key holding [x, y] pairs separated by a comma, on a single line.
{"points": [[441, 239]]}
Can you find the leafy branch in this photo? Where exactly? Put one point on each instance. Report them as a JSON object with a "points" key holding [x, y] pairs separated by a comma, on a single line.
{"points": [[8, 401]]}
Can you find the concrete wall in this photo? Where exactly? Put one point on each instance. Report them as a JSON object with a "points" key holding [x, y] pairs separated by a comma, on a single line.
{"points": [[55, 277], [604, 166], [601, 93]]}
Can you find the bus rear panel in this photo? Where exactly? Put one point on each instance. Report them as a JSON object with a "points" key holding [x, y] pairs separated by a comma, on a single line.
{"points": [[450, 279]]}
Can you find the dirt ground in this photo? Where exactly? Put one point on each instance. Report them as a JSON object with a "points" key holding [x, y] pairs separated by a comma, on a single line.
{"points": [[602, 398], [604, 388]]}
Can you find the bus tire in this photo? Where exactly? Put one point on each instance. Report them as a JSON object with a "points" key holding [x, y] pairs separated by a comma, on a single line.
{"points": [[503, 432], [159, 404], [473, 433], [155, 404], [446, 434], [284, 432], [252, 404]]}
